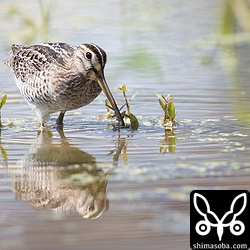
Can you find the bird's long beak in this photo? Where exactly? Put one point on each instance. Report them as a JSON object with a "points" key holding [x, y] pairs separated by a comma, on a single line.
{"points": [[102, 82]]}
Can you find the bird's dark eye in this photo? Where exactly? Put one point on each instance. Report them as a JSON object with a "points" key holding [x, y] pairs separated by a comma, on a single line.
{"points": [[89, 55]]}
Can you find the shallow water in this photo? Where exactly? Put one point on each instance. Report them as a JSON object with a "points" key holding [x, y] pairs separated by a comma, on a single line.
{"points": [[135, 185]]}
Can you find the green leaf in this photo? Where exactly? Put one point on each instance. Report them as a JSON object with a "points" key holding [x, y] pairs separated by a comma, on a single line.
{"points": [[161, 97], [162, 105], [170, 99], [134, 122], [162, 101], [171, 111], [3, 101]]}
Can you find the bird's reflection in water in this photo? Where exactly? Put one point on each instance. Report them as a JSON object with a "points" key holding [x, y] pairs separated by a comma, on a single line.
{"points": [[61, 177]]}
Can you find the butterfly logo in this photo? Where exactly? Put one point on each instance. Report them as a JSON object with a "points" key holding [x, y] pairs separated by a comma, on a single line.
{"points": [[203, 227]]}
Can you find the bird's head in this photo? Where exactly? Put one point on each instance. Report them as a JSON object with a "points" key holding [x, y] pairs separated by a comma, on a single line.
{"points": [[92, 60]]}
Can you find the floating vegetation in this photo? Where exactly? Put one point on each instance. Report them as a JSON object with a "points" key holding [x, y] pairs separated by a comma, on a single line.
{"points": [[3, 101], [130, 119], [168, 143], [169, 111]]}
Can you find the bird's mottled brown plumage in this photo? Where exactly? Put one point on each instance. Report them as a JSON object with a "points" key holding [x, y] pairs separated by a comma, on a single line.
{"points": [[59, 77]]}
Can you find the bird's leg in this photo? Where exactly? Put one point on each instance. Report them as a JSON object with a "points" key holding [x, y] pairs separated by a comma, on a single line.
{"points": [[59, 120]]}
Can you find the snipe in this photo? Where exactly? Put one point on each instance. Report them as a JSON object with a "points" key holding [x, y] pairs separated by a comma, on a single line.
{"points": [[56, 77]]}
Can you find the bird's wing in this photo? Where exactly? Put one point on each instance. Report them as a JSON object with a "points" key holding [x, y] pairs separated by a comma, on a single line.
{"points": [[27, 60]]}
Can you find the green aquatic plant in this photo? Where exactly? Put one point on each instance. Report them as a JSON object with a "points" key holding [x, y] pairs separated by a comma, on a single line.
{"points": [[3, 101], [169, 111], [169, 123], [129, 118]]}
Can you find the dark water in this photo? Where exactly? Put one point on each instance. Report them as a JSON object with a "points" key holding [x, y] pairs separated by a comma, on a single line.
{"points": [[96, 188]]}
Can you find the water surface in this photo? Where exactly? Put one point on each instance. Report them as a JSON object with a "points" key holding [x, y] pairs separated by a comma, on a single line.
{"points": [[97, 188]]}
